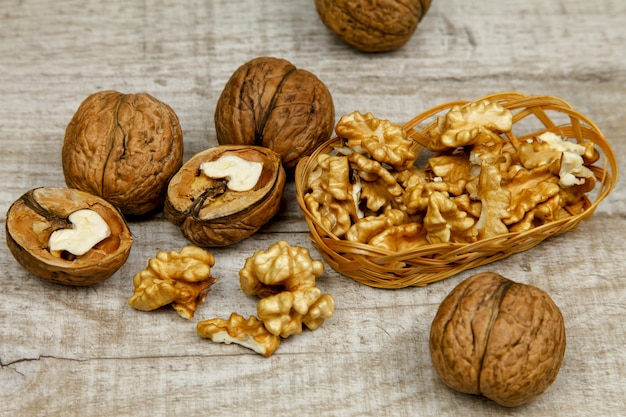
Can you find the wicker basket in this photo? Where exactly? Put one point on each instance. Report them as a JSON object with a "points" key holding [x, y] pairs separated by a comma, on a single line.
{"points": [[532, 115]]}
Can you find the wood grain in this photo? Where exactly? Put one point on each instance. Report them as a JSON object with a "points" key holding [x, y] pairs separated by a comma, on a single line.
{"points": [[85, 352]]}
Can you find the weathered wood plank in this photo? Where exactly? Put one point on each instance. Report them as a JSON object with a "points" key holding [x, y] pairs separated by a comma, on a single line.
{"points": [[84, 351]]}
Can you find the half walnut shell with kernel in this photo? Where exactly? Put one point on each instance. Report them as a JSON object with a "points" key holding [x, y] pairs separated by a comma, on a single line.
{"points": [[225, 194], [67, 236]]}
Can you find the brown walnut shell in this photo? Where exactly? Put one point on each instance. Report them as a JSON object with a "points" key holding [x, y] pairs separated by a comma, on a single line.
{"points": [[39, 212], [372, 26], [123, 148], [498, 338], [269, 102], [210, 214]]}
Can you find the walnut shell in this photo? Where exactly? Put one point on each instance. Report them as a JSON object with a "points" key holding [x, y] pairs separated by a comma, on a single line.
{"points": [[269, 102], [498, 338], [123, 148], [210, 214], [372, 26], [35, 215]]}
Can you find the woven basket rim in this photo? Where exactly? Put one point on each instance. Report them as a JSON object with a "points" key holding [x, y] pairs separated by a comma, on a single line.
{"points": [[430, 263]]}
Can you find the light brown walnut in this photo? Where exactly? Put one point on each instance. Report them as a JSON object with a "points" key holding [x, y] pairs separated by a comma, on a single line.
{"points": [[498, 338], [123, 148], [269, 102]]}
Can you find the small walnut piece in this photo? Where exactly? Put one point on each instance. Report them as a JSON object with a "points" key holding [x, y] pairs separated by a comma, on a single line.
{"points": [[470, 124], [269, 102], [225, 194], [498, 338], [549, 148], [181, 279], [248, 333], [67, 236], [372, 26], [386, 142], [123, 148]]}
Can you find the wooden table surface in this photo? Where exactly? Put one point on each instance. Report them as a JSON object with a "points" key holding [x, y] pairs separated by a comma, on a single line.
{"points": [[84, 352]]}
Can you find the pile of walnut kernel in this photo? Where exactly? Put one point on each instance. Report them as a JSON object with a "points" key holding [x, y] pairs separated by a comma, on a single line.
{"points": [[283, 277], [476, 185]]}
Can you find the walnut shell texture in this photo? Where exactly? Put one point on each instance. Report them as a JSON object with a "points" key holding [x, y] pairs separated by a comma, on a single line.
{"points": [[123, 148], [373, 26], [498, 338], [211, 215], [39, 212], [269, 102]]}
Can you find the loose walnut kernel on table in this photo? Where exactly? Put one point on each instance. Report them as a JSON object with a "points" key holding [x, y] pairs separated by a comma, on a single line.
{"points": [[250, 333], [284, 277], [181, 279]]}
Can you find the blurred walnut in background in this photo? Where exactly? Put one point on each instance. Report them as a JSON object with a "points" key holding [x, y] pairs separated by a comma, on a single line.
{"points": [[373, 25]]}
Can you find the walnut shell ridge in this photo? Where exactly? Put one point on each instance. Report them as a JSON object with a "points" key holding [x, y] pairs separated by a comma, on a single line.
{"points": [[269, 102], [498, 338], [123, 148]]}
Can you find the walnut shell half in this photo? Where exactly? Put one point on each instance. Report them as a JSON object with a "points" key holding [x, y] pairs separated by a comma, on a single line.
{"points": [[123, 148], [209, 213], [41, 211], [269, 102], [372, 26], [498, 338]]}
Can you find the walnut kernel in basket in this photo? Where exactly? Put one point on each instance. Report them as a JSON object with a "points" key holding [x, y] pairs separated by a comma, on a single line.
{"points": [[476, 185]]}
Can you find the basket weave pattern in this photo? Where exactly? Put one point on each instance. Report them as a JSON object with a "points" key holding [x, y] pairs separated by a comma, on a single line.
{"points": [[426, 264]]}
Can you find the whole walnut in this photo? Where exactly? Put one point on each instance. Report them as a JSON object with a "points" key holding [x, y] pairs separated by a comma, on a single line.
{"points": [[123, 148], [498, 338], [373, 26], [269, 102]]}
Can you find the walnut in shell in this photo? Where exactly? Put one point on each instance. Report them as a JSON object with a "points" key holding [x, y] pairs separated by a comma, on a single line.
{"points": [[210, 210], [498, 338], [123, 148], [43, 212], [372, 26], [269, 102]]}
